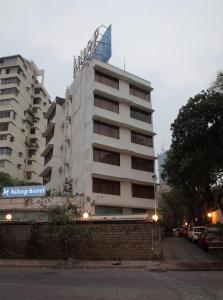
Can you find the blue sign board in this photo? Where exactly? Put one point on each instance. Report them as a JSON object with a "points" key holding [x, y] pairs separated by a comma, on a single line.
{"points": [[103, 50], [23, 191]]}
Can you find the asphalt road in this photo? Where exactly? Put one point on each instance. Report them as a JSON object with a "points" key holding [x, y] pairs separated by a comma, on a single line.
{"points": [[20, 284]]}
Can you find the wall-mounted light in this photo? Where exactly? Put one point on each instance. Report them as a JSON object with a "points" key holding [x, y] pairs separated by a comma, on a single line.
{"points": [[155, 218], [85, 216], [8, 217]]}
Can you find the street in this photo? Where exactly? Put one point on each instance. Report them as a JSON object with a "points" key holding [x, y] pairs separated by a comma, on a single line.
{"points": [[109, 284], [36, 284]]}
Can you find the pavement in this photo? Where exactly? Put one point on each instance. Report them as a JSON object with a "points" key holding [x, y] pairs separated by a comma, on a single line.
{"points": [[178, 255]]}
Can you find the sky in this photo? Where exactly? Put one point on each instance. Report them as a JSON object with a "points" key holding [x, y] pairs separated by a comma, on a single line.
{"points": [[175, 44]]}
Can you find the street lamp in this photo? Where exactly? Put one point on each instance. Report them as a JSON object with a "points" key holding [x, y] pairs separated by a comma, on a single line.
{"points": [[155, 216]]}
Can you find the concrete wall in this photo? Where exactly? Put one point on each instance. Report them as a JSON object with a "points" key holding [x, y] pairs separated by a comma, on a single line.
{"points": [[125, 240]]}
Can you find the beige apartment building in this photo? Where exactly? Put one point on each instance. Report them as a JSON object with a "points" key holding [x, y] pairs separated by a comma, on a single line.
{"points": [[100, 142], [23, 102]]}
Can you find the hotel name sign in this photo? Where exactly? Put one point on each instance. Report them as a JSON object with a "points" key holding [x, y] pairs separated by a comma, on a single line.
{"points": [[23, 191], [99, 47]]}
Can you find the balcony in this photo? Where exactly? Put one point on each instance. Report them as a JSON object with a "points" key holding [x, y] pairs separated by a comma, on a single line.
{"points": [[48, 148], [122, 145], [122, 119], [124, 172], [121, 95]]}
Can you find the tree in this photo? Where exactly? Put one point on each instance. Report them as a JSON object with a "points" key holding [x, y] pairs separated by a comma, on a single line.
{"points": [[195, 162], [218, 84], [174, 209], [6, 180]]}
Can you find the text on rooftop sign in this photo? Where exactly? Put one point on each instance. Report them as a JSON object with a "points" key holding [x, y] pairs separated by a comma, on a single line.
{"points": [[98, 47]]}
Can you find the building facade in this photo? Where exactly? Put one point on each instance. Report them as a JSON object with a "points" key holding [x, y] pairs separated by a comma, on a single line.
{"points": [[23, 102], [104, 142]]}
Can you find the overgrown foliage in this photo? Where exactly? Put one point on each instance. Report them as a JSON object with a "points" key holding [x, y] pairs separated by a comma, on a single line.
{"points": [[194, 163], [7, 180], [63, 224]]}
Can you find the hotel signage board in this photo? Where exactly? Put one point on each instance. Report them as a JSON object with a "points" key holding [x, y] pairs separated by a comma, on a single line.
{"points": [[23, 191], [99, 47]]}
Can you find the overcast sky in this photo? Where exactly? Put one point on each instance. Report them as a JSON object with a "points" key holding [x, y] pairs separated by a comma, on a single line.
{"points": [[175, 44]]}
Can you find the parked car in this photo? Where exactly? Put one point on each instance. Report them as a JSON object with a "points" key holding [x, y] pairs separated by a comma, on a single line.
{"points": [[211, 238], [176, 232], [195, 232], [189, 233], [184, 232]]}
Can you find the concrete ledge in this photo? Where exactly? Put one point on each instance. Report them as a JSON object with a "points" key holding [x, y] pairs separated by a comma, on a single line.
{"points": [[152, 266]]}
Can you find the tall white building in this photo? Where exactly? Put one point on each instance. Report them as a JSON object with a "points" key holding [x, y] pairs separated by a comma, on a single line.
{"points": [[23, 102], [102, 146]]}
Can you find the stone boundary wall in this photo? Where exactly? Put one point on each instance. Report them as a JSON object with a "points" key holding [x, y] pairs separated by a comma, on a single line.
{"points": [[104, 240]]}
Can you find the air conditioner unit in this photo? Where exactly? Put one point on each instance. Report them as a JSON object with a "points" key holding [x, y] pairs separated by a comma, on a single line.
{"points": [[69, 118], [68, 180]]}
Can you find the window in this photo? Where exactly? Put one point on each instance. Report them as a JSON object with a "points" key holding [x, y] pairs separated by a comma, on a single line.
{"points": [[48, 157], [106, 79], [10, 80], [105, 129], [47, 177], [5, 102], [140, 115], [3, 137], [141, 139], [142, 164], [4, 126], [36, 101], [13, 91], [31, 152], [138, 92], [29, 162], [106, 186], [2, 163], [34, 109], [33, 141], [20, 154], [136, 211], [142, 191], [32, 130], [7, 71], [106, 104], [5, 151], [108, 210], [107, 157], [5, 114], [29, 175], [37, 91]]}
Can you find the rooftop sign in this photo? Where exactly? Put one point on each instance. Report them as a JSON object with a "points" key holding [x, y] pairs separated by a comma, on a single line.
{"points": [[99, 47], [23, 191]]}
